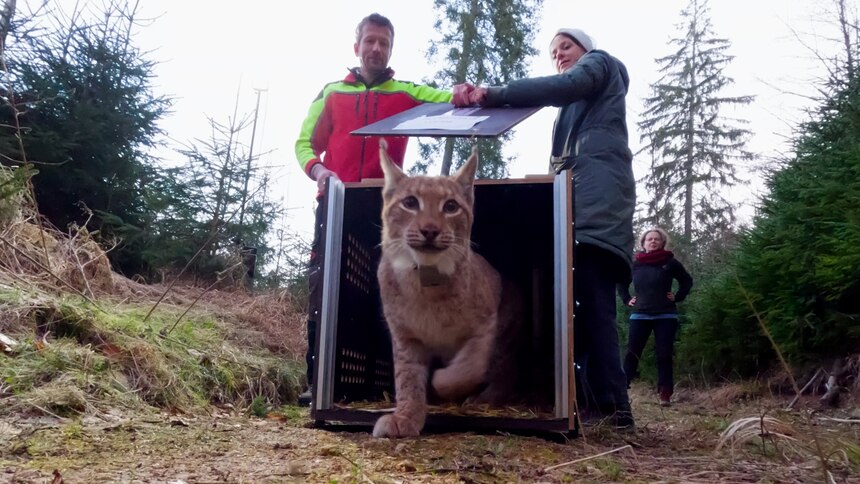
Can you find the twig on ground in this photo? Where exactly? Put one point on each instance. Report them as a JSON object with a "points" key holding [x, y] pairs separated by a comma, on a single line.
{"points": [[557, 466], [810, 382], [841, 420], [198, 298], [62, 419]]}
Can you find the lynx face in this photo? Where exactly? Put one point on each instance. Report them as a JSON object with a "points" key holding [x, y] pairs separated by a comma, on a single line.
{"points": [[427, 221]]}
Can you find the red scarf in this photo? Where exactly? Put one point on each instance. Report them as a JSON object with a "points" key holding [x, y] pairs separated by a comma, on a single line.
{"points": [[658, 256]]}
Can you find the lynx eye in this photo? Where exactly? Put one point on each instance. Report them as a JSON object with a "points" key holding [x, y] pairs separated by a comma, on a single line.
{"points": [[410, 203], [451, 206]]}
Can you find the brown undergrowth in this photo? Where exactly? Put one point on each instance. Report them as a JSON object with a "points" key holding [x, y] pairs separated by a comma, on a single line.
{"points": [[93, 390], [78, 339]]}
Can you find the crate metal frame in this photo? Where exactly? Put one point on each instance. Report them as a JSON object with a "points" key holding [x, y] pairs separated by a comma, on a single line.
{"points": [[323, 409]]}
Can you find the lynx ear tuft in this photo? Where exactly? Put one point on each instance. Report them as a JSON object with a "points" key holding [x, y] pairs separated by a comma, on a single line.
{"points": [[465, 176], [393, 173]]}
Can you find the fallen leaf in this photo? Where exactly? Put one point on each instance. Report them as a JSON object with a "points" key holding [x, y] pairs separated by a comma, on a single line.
{"points": [[278, 417]]}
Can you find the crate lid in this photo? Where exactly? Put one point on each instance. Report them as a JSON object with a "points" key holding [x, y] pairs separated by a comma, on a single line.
{"points": [[443, 119]]}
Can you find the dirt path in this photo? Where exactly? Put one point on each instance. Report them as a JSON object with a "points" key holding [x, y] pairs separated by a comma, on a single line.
{"points": [[669, 445]]}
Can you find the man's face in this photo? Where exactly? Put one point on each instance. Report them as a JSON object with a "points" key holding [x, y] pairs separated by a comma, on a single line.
{"points": [[565, 52], [374, 50]]}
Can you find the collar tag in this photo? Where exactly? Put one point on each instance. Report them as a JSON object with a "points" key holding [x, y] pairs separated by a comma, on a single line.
{"points": [[431, 277]]}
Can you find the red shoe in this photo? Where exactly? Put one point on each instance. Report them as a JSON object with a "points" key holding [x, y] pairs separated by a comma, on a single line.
{"points": [[665, 397]]}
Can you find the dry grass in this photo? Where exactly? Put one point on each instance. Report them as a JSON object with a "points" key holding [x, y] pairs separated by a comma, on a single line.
{"points": [[34, 253], [40, 256], [730, 394], [459, 410], [762, 429], [84, 345], [272, 320]]}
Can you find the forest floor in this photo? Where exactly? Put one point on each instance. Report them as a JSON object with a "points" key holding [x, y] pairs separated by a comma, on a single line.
{"points": [[687, 442], [103, 379]]}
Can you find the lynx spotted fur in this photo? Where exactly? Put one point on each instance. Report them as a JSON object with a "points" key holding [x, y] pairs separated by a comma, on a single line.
{"points": [[445, 305]]}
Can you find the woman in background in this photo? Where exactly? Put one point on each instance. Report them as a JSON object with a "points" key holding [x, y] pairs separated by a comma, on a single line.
{"points": [[654, 307]]}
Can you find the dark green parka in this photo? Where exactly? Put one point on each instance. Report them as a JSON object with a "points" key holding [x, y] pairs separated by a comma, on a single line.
{"points": [[589, 137]]}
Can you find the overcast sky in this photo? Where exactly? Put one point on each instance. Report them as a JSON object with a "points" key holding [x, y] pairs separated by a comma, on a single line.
{"points": [[209, 50]]}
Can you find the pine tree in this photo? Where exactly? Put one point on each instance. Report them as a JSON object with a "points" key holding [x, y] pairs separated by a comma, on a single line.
{"points": [[693, 145], [485, 42], [798, 265], [79, 104], [224, 200]]}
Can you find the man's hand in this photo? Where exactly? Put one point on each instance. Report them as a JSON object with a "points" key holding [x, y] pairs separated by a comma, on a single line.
{"points": [[461, 94], [320, 174], [632, 301], [468, 95]]}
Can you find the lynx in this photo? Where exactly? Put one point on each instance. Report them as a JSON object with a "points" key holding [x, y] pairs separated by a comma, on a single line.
{"points": [[445, 305]]}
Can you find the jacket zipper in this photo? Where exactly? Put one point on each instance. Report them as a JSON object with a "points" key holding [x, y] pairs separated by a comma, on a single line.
{"points": [[367, 93], [364, 138]]}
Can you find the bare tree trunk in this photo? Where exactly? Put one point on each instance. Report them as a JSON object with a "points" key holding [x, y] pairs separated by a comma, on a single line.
{"points": [[247, 175], [222, 195], [688, 204], [846, 26], [467, 23], [689, 170], [447, 157]]}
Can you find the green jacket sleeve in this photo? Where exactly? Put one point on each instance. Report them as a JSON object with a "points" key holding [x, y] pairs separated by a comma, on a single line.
{"points": [[312, 140]]}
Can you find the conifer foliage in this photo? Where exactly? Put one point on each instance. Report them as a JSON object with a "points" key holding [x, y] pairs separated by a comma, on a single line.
{"points": [[484, 42], [692, 143], [797, 269], [79, 104], [80, 113]]}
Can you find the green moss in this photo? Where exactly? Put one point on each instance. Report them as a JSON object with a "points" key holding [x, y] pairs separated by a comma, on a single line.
{"points": [[259, 406], [115, 355], [610, 468]]}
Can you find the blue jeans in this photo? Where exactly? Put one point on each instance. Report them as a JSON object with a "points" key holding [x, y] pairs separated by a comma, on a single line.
{"points": [[664, 341], [601, 382]]}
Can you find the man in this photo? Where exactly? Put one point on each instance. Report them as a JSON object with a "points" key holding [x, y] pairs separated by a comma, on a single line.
{"points": [[589, 138], [325, 148]]}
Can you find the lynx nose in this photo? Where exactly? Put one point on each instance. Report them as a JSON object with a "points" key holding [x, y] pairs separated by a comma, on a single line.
{"points": [[430, 232]]}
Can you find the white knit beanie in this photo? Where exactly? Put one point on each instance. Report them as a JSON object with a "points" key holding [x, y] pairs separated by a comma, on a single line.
{"points": [[578, 35]]}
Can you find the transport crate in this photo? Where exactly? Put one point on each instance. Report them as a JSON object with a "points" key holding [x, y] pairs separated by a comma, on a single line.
{"points": [[523, 227]]}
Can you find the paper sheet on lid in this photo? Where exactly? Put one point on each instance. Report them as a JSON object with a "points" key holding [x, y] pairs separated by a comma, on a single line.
{"points": [[443, 121]]}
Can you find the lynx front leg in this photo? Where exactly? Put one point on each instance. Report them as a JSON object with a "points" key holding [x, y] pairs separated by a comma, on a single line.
{"points": [[410, 381], [468, 368]]}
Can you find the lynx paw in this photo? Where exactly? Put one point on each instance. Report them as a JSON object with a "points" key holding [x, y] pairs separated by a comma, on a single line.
{"points": [[396, 426]]}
